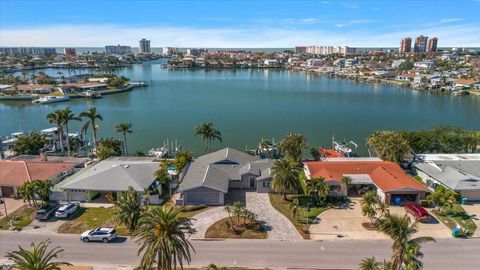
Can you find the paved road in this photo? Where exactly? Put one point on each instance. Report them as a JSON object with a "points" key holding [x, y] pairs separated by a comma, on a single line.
{"points": [[445, 254], [277, 225]]}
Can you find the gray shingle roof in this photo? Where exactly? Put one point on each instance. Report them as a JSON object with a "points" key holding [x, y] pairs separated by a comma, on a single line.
{"points": [[115, 174], [457, 175], [214, 170]]}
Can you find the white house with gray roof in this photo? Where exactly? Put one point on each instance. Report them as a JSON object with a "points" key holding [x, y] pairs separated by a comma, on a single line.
{"points": [[210, 177], [460, 173], [113, 175]]}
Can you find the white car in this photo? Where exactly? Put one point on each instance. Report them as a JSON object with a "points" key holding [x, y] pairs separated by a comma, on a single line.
{"points": [[67, 209], [99, 234]]}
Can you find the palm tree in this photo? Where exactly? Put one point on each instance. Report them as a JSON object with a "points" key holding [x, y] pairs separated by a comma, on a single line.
{"points": [[346, 182], [38, 258], [128, 208], [67, 116], [401, 230], [208, 134], [124, 128], [57, 119], [284, 177], [91, 116], [369, 264], [163, 236]]}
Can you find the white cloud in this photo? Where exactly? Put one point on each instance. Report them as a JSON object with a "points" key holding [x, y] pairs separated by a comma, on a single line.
{"points": [[247, 37], [308, 20], [451, 20]]}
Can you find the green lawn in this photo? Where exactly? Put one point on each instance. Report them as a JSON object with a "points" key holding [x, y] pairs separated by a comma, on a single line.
{"points": [[300, 220], [220, 230], [91, 218], [23, 216], [457, 215]]}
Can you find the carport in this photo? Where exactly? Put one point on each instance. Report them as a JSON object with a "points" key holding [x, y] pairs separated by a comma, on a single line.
{"points": [[360, 184]]}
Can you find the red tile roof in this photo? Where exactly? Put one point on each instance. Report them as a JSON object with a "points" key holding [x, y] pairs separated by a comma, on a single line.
{"points": [[15, 173], [387, 176]]}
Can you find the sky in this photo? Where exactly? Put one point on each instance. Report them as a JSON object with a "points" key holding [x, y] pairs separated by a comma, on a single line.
{"points": [[237, 24]]}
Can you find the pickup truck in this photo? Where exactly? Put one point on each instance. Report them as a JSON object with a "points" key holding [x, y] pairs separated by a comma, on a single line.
{"points": [[46, 211]]}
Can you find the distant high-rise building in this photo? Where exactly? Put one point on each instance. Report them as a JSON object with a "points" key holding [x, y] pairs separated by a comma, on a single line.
{"points": [[406, 45], [169, 51], [301, 49], [119, 49], [70, 52], [144, 46], [432, 44], [420, 44], [21, 51]]}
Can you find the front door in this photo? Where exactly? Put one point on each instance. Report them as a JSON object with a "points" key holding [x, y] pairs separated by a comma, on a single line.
{"points": [[252, 182]]}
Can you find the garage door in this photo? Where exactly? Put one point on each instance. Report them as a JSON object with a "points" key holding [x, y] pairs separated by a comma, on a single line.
{"points": [[210, 198], [78, 195], [7, 191], [471, 195]]}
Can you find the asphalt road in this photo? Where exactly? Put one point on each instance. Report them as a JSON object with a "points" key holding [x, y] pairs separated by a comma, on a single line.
{"points": [[444, 254]]}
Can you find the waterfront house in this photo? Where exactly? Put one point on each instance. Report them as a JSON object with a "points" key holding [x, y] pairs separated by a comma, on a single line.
{"points": [[464, 83], [209, 178], [83, 87], [113, 176], [424, 64], [391, 183], [270, 62], [14, 173], [31, 89], [409, 77], [457, 172]]}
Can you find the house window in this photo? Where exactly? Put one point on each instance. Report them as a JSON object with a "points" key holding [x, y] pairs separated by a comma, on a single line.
{"points": [[266, 184]]}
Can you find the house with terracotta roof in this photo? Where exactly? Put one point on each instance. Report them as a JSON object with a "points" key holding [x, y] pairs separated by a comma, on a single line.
{"points": [[464, 83], [392, 184], [14, 173]]}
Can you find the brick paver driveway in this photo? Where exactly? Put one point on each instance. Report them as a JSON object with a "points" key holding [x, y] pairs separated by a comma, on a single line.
{"points": [[278, 226], [473, 209], [205, 219]]}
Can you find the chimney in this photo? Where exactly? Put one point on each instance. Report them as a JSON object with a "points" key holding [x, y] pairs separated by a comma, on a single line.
{"points": [[43, 156]]}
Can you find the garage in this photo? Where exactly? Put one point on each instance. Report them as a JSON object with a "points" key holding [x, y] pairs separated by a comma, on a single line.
{"points": [[471, 195], [203, 195], [7, 191], [78, 195]]}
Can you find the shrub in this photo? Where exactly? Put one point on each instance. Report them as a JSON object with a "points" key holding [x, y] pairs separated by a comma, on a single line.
{"points": [[192, 208]]}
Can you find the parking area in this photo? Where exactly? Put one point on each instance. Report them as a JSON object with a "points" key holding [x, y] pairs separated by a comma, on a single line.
{"points": [[473, 210], [346, 223], [11, 205]]}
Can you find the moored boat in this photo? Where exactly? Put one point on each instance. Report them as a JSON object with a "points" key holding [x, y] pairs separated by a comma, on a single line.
{"points": [[50, 99]]}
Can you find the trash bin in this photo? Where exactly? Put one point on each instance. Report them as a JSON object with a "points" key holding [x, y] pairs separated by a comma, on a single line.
{"points": [[455, 232], [464, 201]]}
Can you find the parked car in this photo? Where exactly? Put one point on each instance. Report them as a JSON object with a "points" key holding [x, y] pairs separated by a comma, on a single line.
{"points": [[46, 211], [99, 234], [66, 210], [418, 212], [1, 199]]}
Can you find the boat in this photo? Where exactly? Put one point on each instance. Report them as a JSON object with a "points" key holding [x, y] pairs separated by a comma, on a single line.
{"points": [[92, 94], [345, 149], [158, 152], [50, 99]]}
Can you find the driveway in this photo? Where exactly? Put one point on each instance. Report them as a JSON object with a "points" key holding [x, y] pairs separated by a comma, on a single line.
{"points": [[473, 209], [44, 227], [11, 205], [277, 225], [346, 223], [205, 219]]}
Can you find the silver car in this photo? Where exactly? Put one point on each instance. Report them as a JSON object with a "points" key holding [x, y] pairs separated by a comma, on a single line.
{"points": [[67, 209], [99, 234]]}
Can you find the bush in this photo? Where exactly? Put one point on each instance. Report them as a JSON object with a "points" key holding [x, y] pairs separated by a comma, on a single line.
{"points": [[192, 208], [425, 203]]}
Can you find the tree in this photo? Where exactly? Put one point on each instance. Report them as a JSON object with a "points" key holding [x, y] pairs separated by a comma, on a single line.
{"points": [[124, 129], [315, 154], [370, 264], [128, 208], [37, 258], [292, 147], [163, 237], [401, 230], [162, 173], [29, 144], [27, 192], [67, 115], [92, 116], [239, 217], [346, 182], [442, 198], [389, 145], [208, 134], [368, 204], [182, 158], [318, 189], [43, 189], [57, 119], [284, 177], [108, 148]]}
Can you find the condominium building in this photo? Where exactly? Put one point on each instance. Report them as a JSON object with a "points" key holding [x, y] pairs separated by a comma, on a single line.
{"points": [[301, 49], [70, 52], [144, 46], [118, 49], [168, 51], [420, 44], [326, 50], [22, 51], [432, 44], [406, 45]]}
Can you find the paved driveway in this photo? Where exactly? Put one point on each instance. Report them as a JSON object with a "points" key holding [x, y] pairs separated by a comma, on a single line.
{"points": [[205, 219], [346, 223], [473, 209], [278, 226], [11, 205]]}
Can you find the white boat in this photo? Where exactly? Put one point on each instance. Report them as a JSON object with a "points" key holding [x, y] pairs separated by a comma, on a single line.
{"points": [[158, 152], [50, 99], [92, 94]]}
